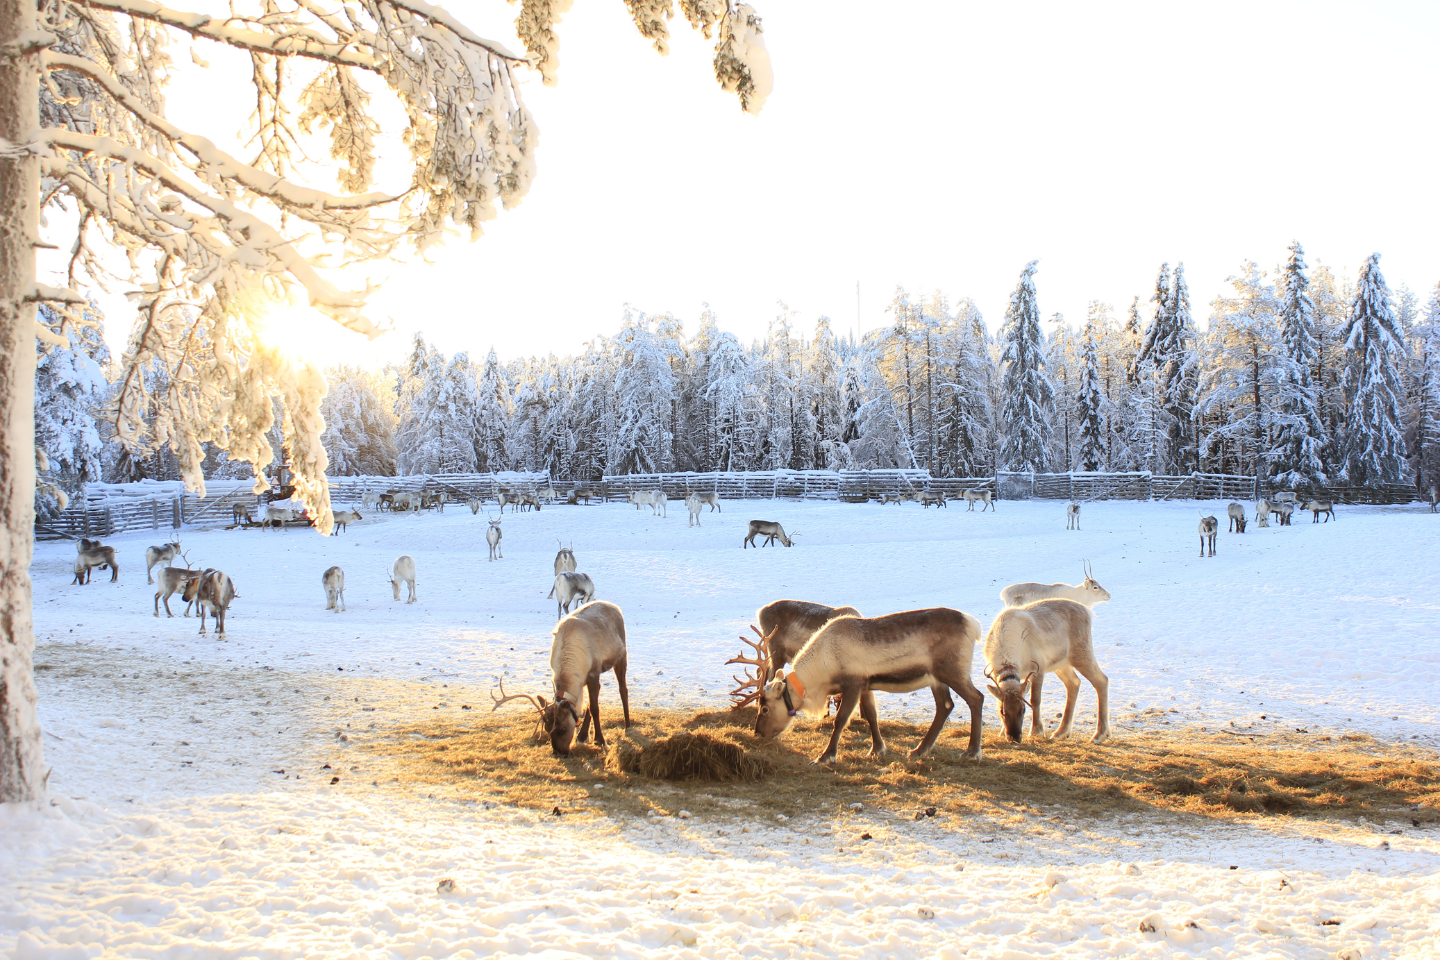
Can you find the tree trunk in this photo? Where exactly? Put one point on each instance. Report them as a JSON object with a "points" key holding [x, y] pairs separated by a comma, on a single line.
{"points": [[21, 759]]}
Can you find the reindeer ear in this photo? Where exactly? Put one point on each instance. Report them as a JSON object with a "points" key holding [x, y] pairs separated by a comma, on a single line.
{"points": [[994, 690], [541, 698], [1025, 687]]}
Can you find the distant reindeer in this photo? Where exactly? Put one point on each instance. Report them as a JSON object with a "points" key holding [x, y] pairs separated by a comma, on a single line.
{"points": [[474, 504], [341, 518], [1089, 592], [1236, 513], [588, 643], [654, 499], [1024, 644], [154, 555], [278, 516], [370, 501], [1285, 496], [96, 555], [402, 571], [1072, 516], [927, 497], [1281, 511], [240, 514], [712, 498], [1208, 528], [693, 505], [565, 559], [570, 588], [333, 580], [1318, 507], [1434, 496], [1262, 514], [492, 537], [173, 579], [973, 497], [212, 592], [891, 498], [768, 529], [851, 656]]}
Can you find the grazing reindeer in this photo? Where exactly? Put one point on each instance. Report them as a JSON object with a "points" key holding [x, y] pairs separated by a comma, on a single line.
{"points": [[928, 497], [1236, 513], [492, 537], [896, 498], [333, 580], [96, 555], [851, 656], [474, 504], [1318, 507], [1285, 496], [1089, 592], [565, 559], [1281, 510], [787, 626], [1434, 496], [154, 555], [278, 516], [171, 580], [768, 529], [986, 497], [712, 498], [341, 518], [571, 588], [1052, 636], [693, 505], [1208, 528], [212, 592], [370, 501], [240, 514], [1072, 516], [402, 571], [654, 499], [586, 644], [1262, 514]]}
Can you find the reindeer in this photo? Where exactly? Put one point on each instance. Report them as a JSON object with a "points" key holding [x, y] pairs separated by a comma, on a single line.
{"points": [[1281, 510], [693, 504], [1434, 496], [586, 644], [333, 580], [1236, 513], [1072, 516], [986, 497], [94, 555], [1051, 636], [896, 498], [278, 516], [712, 498], [654, 499], [505, 496], [212, 592], [571, 588], [370, 501], [927, 497], [565, 559], [1285, 496], [341, 518], [1089, 592], [171, 580], [530, 500], [768, 529], [402, 571], [240, 514], [474, 504], [851, 656], [1208, 527], [1262, 514], [1318, 507], [154, 555], [492, 537]]}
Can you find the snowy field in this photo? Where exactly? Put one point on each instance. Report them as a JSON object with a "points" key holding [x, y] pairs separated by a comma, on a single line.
{"points": [[172, 833]]}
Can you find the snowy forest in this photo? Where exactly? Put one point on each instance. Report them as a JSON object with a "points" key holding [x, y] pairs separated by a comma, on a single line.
{"points": [[1298, 377]]}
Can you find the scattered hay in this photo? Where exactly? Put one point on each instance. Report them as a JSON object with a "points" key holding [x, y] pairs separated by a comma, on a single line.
{"points": [[688, 756]]}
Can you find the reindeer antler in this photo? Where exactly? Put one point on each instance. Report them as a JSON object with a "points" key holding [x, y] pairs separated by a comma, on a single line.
{"points": [[754, 683], [505, 698]]}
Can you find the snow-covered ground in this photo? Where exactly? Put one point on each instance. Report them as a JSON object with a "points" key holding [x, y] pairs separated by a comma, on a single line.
{"points": [[172, 834]]}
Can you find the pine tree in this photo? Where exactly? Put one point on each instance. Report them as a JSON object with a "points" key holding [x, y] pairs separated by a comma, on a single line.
{"points": [[1301, 444], [1427, 407], [1089, 404], [1169, 346], [1029, 397], [1375, 446], [70, 390], [492, 417]]}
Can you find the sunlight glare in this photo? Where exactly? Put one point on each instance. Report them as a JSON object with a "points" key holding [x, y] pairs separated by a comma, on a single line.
{"points": [[300, 333]]}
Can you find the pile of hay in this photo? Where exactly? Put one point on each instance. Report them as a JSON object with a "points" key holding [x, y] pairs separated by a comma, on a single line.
{"points": [[688, 756]]}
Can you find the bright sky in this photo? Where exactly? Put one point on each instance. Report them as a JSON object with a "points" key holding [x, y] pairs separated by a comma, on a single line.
{"points": [[943, 145]]}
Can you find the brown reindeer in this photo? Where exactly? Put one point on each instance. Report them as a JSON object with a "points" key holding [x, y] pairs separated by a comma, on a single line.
{"points": [[92, 553], [1209, 528], [212, 592], [768, 529], [852, 656]]}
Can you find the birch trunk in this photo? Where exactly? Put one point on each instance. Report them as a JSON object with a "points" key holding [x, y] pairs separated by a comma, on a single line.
{"points": [[21, 760]]}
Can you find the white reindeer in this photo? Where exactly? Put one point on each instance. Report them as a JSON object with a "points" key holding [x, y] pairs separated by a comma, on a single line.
{"points": [[654, 499], [492, 537], [1318, 507], [370, 501], [474, 504], [1072, 516], [341, 518], [712, 498], [1209, 526], [565, 559], [1024, 644], [154, 555], [1282, 510], [1236, 513], [278, 516], [693, 504], [173, 579], [403, 571], [986, 497], [571, 588], [1434, 496], [585, 645], [1262, 514], [1089, 592], [333, 580]]}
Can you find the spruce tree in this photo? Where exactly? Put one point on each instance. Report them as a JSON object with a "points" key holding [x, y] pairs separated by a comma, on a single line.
{"points": [[1301, 441], [1028, 395], [1375, 444], [1169, 345], [1089, 407]]}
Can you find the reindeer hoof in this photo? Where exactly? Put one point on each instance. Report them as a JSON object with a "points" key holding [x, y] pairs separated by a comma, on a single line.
{"points": [[1100, 738], [823, 760], [972, 754]]}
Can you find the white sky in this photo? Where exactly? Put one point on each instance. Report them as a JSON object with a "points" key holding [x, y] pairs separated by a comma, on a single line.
{"points": [[943, 145]]}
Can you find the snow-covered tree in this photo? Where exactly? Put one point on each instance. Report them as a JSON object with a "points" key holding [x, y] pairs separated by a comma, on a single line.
{"points": [[359, 432], [1426, 443], [1169, 347], [1300, 446], [1375, 447], [70, 391], [1027, 391], [1090, 403]]}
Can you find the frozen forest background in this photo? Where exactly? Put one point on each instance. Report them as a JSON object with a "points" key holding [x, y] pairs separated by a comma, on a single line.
{"points": [[1298, 377]]}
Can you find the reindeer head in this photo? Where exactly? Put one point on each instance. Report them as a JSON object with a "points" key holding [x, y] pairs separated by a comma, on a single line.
{"points": [[783, 698], [559, 720], [1014, 696], [1091, 586]]}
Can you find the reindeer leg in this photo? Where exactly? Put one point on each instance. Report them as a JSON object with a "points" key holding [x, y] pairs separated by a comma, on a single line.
{"points": [[620, 666], [1037, 725], [872, 717], [1072, 697], [943, 706], [849, 698], [1090, 670], [594, 697]]}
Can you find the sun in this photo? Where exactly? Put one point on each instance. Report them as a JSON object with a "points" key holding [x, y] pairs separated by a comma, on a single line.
{"points": [[300, 333]]}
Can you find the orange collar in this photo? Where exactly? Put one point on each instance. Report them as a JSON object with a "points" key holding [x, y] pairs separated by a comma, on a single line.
{"points": [[794, 681]]}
